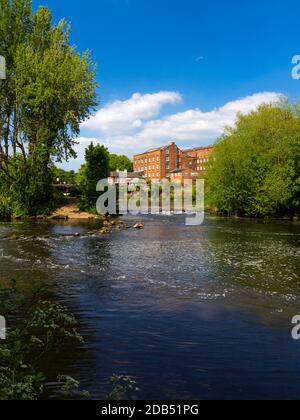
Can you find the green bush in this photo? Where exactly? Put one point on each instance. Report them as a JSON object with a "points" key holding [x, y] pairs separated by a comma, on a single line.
{"points": [[42, 331], [255, 168], [5, 207]]}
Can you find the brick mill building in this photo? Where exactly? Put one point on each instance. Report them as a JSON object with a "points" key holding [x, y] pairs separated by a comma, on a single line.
{"points": [[173, 163]]}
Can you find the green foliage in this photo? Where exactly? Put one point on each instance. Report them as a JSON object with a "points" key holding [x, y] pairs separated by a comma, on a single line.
{"points": [[68, 177], [44, 329], [30, 190], [95, 169], [255, 170], [60, 176], [70, 389], [49, 91], [120, 387], [120, 162], [5, 207]]}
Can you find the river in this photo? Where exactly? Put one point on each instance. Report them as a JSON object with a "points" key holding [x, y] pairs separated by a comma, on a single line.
{"points": [[189, 312]]}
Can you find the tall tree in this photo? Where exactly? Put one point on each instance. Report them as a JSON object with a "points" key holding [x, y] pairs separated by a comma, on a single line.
{"points": [[49, 91], [95, 169]]}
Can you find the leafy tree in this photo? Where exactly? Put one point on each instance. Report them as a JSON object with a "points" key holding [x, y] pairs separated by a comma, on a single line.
{"points": [[68, 177], [80, 176], [95, 169], [120, 162], [49, 91], [255, 170]]}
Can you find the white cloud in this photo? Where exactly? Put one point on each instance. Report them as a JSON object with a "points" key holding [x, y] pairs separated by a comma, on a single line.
{"points": [[130, 126], [120, 117], [199, 127]]}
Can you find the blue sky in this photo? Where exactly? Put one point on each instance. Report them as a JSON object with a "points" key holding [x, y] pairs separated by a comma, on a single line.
{"points": [[194, 56]]}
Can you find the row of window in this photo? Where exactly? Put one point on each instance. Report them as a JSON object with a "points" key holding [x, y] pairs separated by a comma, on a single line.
{"points": [[147, 168], [150, 160], [157, 159], [152, 175], [185, 174]]}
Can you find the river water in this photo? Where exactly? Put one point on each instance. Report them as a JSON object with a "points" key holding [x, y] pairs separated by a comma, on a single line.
{"points": [[189, 312]]}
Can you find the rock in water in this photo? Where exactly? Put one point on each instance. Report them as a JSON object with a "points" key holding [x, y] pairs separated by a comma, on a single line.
{"points": [[138, 226]]}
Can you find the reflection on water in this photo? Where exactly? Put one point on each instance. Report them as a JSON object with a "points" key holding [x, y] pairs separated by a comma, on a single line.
{"points": [[190, 312]]}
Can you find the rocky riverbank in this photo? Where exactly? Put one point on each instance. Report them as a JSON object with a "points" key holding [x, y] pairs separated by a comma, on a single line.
{"points": [[107, 225], [71, 211]]}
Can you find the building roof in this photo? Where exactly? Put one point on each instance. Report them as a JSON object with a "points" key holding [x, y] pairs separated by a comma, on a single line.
{"points": [[186, 151], [157, 149], [194, 149]]}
